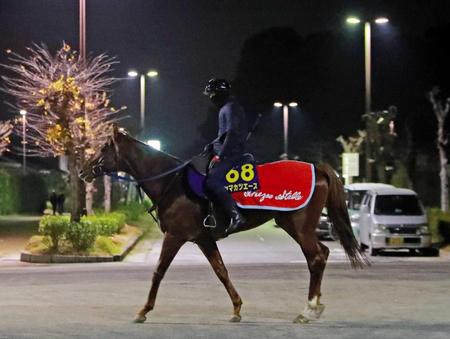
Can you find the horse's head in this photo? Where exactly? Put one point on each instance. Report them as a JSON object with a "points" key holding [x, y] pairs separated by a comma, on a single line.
{"points": [[105, 160]]}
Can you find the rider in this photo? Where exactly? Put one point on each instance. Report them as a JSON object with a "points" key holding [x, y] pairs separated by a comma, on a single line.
{"points": [[227, 148]]}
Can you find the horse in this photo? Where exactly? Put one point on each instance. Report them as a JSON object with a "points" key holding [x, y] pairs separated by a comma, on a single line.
{"points": [[181, 217]]}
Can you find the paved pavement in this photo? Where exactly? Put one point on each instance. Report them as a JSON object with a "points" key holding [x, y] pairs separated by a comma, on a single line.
{"points": [[398, 297], [266, 244], [15, 230]]}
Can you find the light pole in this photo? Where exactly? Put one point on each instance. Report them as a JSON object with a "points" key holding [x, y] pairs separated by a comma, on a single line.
{"points": [[285, 124], [150, 74], [368, 80], [23, 113]]}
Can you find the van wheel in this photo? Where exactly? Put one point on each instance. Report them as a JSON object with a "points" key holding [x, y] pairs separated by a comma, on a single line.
{"points": [[430, 252]]}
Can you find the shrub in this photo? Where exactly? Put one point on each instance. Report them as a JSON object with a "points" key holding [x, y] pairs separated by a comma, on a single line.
{"points": [[9, 199], [33, 194], [436, 217], [55, 227], [21, 193], [134, 210], [82, 235], [107, 224]]}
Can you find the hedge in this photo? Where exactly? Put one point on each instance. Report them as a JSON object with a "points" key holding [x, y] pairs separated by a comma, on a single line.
{"points": [[83, 234], [438, 219], [9, 198], [21, 193]]}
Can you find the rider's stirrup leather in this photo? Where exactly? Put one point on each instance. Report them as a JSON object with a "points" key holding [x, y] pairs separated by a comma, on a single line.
{"points": [[236, 221]]}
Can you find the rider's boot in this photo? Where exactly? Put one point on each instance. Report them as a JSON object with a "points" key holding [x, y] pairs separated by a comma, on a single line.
{"points": [[237, 220]]}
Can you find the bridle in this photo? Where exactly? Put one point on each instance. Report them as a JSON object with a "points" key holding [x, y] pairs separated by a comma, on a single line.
{"points": [[98, 170]]}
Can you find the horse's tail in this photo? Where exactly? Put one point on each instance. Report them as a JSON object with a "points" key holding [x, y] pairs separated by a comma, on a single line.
{"points": [[338, 214]]}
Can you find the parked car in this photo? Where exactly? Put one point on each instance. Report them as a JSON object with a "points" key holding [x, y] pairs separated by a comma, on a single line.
{"points": [[354, 194], [393, 218], [324, 228]]}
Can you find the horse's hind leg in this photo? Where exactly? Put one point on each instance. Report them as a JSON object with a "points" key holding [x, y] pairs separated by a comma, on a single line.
{"points": [[316, 255], [170, 247], [317, 259], [209, 248], [301, 226]]}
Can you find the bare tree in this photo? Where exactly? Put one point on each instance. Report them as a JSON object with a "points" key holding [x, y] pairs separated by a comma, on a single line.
{"points": [[67, 102], [5, 131], [441, 109], [353, 143], [380, 140]]}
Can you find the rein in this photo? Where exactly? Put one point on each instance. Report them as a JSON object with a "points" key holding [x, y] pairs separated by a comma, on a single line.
{"points": [[154, 206], [155, 177]]}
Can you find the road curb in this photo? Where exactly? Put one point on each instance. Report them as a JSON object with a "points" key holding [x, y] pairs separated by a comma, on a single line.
{"points": [[72, 259]]}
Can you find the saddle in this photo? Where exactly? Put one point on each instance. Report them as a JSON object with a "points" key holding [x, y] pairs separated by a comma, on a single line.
{"points": [[284, 185]]}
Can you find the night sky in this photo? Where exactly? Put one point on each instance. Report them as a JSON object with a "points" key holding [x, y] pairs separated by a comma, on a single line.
{"points": [[189, 42]]}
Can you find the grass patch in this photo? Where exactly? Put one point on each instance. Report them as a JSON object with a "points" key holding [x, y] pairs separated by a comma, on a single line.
{"points": [[39, 244], [103, 245], [106, 246]]}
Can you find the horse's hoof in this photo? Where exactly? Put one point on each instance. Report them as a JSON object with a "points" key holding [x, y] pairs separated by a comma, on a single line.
{"points": [[301, 320], [139, 319], [235, 319], [312, 312]]}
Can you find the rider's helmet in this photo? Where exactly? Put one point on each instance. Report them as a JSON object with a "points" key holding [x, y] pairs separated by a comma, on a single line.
{"points": [[215, 86]]}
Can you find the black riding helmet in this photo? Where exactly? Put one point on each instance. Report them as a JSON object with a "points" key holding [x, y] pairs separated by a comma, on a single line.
{"points": [[215, 86]]}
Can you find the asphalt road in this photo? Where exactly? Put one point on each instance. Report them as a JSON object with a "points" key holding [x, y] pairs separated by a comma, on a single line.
{"points": [[398, 297]]}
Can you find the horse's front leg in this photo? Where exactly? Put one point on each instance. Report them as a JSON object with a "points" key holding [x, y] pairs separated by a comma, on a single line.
{"points": [[171, 245], [210, 250]]}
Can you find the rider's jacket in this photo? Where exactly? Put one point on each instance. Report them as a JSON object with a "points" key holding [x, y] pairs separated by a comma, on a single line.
{"points": [[232, 133]]}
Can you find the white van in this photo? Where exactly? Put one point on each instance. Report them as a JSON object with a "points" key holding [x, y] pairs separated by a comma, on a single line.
{"points": [[393, 218], [354, 194]]}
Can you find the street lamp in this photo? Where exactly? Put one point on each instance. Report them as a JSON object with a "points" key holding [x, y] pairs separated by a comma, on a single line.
{"points": [[285, 123], [367, 70], [156, 144], [150, 74], [23, 113]]}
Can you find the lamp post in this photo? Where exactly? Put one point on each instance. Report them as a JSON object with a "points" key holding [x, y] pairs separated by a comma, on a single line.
{"points": [[285, 124], [23, 113], [368, 80], [150, 74]]}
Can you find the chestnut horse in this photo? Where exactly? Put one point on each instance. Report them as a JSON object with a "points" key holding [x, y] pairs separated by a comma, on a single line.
{"points": [[181, 217]]}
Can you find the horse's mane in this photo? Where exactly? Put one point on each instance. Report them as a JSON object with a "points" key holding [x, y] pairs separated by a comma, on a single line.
{"points": [[149, 149]]}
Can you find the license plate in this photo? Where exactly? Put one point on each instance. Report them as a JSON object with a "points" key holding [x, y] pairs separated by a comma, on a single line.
{"points": [[396, 241]]}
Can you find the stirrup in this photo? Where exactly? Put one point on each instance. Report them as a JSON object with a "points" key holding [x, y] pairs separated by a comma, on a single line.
{"points": [[210, 218]]}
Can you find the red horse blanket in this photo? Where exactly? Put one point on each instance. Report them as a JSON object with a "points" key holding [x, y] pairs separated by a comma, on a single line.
{"points": [[283, 186]]}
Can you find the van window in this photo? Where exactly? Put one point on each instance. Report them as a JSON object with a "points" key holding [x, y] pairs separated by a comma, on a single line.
{"points": [[354, 199], [397, 205]]}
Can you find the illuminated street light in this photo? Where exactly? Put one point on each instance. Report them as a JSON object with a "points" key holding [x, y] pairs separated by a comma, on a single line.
{"points": [[353, 20], [367, 70], [132, 74], [151, 74], [156, 144], [285, 122], [381, 20]]}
